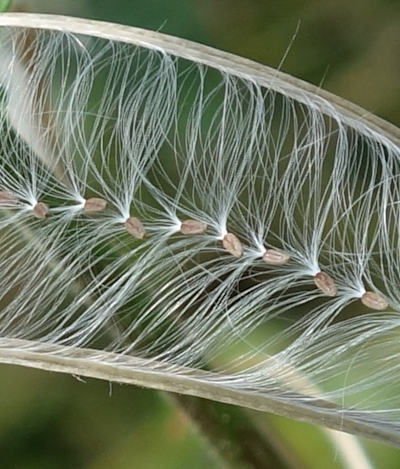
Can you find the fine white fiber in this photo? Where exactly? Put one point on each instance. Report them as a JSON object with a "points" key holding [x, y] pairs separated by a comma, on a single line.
{"points": [[176, 217]]}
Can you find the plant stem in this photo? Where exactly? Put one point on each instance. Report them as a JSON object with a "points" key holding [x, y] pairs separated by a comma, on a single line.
{"points": [[156, 375], [231, 431]]}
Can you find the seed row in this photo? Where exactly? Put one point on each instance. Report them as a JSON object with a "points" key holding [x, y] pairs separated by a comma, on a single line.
{"points": [[190, 227]]}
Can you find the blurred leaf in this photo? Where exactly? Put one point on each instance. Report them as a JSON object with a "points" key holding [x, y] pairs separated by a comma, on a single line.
{"points": [[4, 5]]}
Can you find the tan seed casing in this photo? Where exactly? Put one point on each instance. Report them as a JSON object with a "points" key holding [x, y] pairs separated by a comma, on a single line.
{"points": [[272, 257], [135, 227], [374, 301], [7, 199], [193, 227], [41, 210], [325, 283], [232, 244], [94, 204]]}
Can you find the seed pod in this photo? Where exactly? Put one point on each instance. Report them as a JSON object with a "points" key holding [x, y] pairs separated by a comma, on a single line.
{"points": [[325, 283], [135, 227], [374, 301], [41, 210], [7, 199], [94, 204], [232, 244], [193, 227], [273, 257]]}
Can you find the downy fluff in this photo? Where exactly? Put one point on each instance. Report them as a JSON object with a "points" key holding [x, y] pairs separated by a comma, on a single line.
{"points": [[180, 218]]}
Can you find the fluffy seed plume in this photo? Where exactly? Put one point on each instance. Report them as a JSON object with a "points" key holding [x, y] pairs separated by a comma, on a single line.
{"points": [[175, 131]]}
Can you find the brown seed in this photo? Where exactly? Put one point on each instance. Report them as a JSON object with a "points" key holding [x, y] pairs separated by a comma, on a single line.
{"points": [[135, 227], [272, 257], [193, 227], [374, 301], [7, 199], [232, 244], [41, 210], [325, 283], [94, 204]]}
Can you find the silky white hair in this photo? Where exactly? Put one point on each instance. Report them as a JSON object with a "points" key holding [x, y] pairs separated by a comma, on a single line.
{"points": [[163, 133]]}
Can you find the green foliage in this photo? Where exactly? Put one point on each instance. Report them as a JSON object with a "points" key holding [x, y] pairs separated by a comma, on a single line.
{"points": [[4, 5]]}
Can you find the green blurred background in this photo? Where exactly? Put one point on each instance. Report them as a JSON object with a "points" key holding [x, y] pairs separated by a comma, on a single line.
{"points": [[47, 421]]}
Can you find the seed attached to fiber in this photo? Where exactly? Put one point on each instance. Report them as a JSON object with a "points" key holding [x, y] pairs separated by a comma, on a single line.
{"points": [[232, 244], [374, 301], [7, 199], [325, 283], [94, 204], [135, 227], [41, 210], [193, 227], [272, 257]]}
